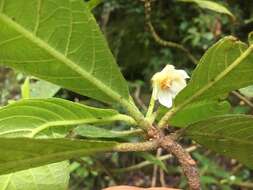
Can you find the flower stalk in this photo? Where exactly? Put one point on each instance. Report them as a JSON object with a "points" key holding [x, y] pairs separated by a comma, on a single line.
{"points": [[151, 106]]}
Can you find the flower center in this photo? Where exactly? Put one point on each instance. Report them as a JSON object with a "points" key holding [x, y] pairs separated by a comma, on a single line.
{"points": [[165, 84]]}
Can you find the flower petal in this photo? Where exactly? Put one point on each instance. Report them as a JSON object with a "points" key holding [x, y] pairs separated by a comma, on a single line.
{"points": [[165, 98], [168, 68], [176, 87], [183, 74]]}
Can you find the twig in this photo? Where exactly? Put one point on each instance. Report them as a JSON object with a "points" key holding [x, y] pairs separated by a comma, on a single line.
{"points": [[236, 168], [107, 172], [188, 164], [158, 39], [242, 184], [147, 163], [105, 17], [247, 184], [162, 180], [138, 99], [243, 98], [155, 168]]}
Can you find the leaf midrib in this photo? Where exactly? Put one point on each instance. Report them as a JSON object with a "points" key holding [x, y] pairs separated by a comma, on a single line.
{"points": [[73, 122], [59, 56], [126, 102]]}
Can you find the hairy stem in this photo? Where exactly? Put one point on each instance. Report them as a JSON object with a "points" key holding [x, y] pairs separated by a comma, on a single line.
{"points": [[188, 164], [135, 147]]}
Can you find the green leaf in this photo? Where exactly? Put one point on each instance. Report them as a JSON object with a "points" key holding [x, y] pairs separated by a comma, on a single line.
{"points": [[90, 131], [196, 112], [25, 89], [230, 135], [60, 41], [23, 153], [213, 6], [247, 91], [217, 72], [43, 89], [50, 117], [50, 177]]}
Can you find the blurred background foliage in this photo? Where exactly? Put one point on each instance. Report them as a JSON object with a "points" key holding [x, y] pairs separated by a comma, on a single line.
{"points": [[139, 57]]}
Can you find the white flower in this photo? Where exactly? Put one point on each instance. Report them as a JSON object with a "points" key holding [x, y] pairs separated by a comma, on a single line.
{"points": [[167, 84]]}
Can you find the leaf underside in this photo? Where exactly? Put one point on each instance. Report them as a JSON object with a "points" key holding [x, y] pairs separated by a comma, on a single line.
{"points": [[47, 117], [24, 153], [43, 118], [50, 177], [59, 41], [231, 135], [196, 112], [217, 74]]}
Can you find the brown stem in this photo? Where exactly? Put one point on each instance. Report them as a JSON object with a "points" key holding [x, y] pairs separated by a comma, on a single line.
{"points": [[136, 147], [158, 39], [188, 164]]}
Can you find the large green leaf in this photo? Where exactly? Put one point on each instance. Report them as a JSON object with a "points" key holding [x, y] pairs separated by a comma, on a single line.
{"points": [[50, 177], [49, 117], [90, 131], [196, 112], [23, 153], [231, 135], [199, 111], [60, 41], [213, 6], [226, 66]]}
